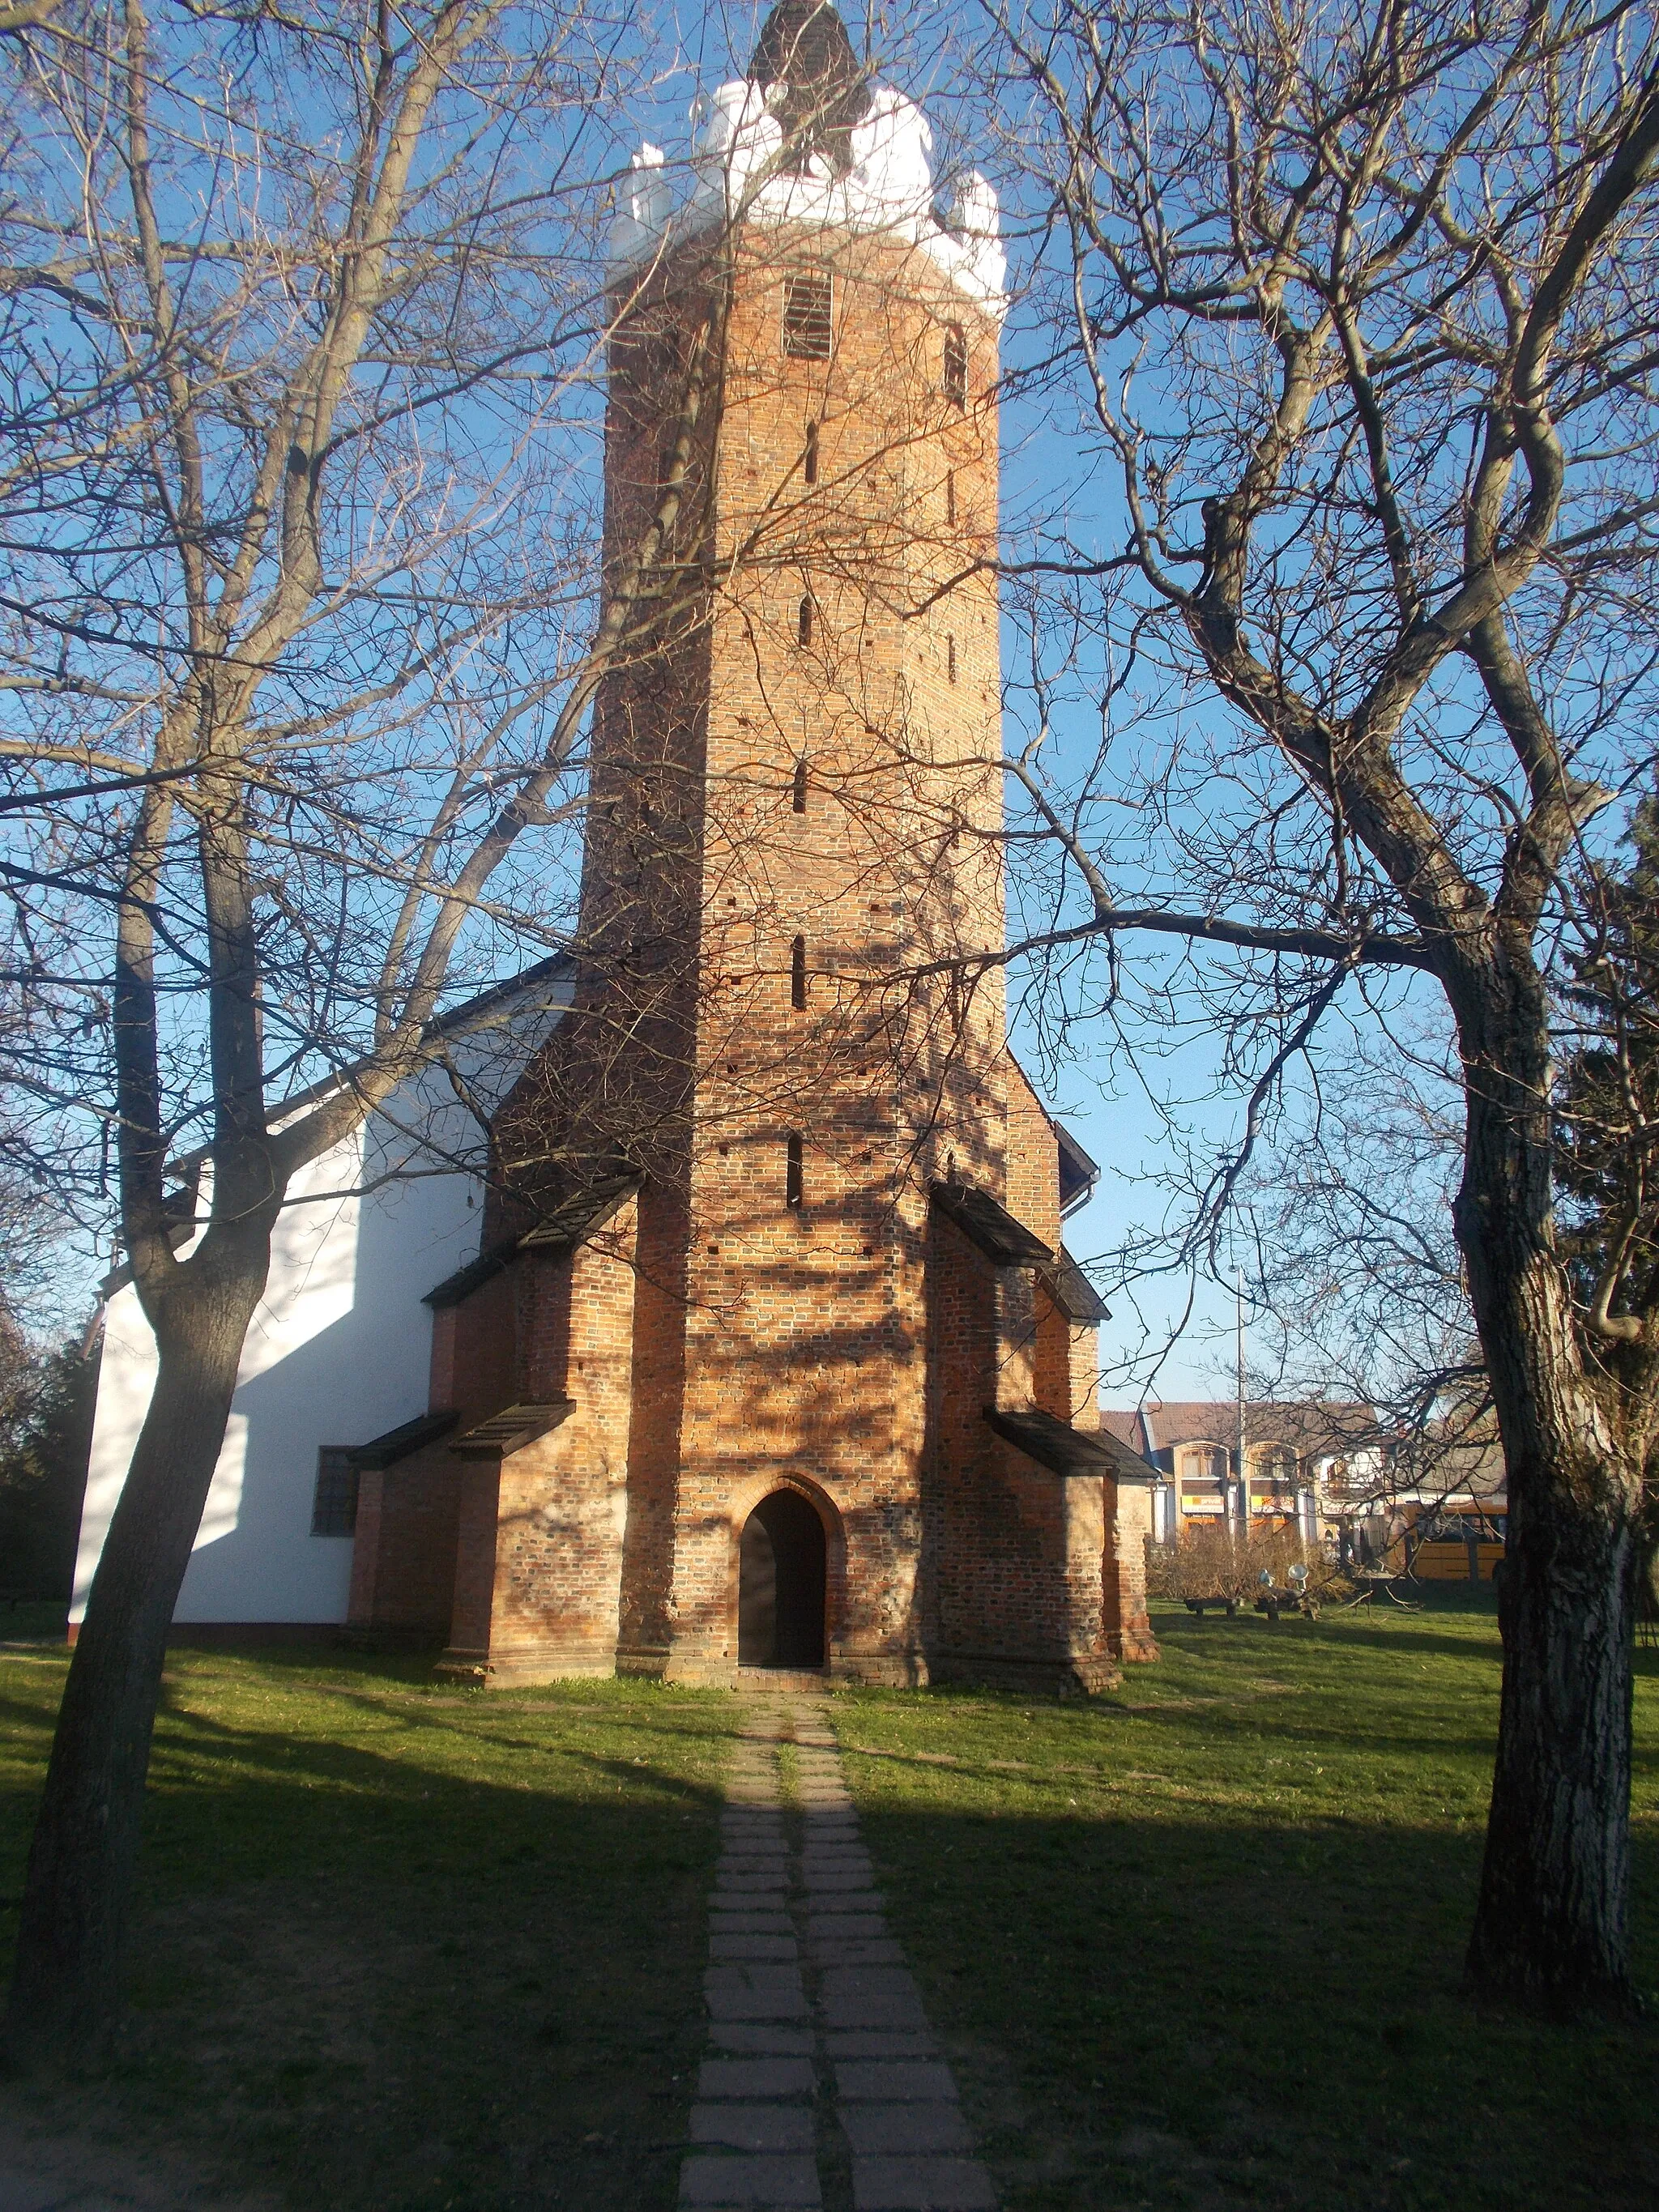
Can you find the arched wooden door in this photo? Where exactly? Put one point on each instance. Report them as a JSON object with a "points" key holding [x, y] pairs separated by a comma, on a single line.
{"points": [[781, 1584]]}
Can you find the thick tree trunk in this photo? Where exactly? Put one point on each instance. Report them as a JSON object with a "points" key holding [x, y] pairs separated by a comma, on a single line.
{"points": [[64, 1989], [1552, 1927]]}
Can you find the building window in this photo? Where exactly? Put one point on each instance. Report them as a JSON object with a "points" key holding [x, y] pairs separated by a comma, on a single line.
{"points": [[798, 975], [956, 363], [334, 1501], [1201, 1479], [798, 796], [792, 1169], [1272, 1479], [950, 497], [809, 467], [951, 658], [808, 300], [804, 622]]}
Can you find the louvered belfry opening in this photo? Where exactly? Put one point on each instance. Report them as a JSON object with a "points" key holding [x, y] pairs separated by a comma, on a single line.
{"points": [[809, 316]]}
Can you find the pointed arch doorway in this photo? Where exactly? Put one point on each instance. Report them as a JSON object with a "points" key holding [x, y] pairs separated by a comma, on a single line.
{"points": [[781, 1584]]}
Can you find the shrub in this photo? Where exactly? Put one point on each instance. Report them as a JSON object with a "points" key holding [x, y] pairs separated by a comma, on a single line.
{"points": [[1217, 1562]]}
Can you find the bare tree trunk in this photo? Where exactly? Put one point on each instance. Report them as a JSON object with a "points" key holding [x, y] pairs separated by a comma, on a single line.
{"points": [[64, 1992], [1552, 1927]]}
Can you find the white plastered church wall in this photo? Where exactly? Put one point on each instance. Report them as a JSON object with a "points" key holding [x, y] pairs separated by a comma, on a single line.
{"points": [[338, 1351]]}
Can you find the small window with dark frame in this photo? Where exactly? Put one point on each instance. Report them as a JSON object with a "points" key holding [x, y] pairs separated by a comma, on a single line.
{"points": [[798, 975], [804, 622], [951, 658], [793, 1178], [334, 1501], [956, 364], [950, 497], [809, 460], [808, 316], [798, 793]]}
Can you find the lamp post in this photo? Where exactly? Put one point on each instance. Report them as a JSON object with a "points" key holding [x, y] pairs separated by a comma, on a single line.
{"points": [[1243, 1472]]}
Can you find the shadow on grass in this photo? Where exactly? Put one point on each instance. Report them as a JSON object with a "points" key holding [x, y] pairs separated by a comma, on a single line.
{"points": [[389, 1962], [1175, 2012]]}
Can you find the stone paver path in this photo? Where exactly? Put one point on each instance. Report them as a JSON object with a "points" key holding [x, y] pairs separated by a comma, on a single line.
{"points": [[823, 2086]]}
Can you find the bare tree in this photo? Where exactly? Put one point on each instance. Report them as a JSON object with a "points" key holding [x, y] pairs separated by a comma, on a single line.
{"points": [[308, 335], [302, 618], [1362, 303]]}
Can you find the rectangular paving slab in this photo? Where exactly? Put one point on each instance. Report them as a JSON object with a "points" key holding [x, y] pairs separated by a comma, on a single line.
{"points": [[736, 2182], [901, 2077], [922, 2185], [757, 2127], [724, 1943], [933, 2124], [756, 2077], [762, 2038], [871, 1996]]}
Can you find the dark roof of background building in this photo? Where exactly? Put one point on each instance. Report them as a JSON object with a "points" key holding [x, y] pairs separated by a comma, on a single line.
{"points": [[1310, 1425], [1453, 1456]]}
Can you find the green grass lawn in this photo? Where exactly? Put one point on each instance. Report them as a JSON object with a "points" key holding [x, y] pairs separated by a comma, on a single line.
{"points": [[1199, 1943], [401, 1946]]}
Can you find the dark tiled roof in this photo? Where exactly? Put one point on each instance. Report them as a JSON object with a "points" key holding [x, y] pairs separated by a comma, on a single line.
{"points": [[804, 50], [465, 1280], [512, 1429], [1073, 1292], [383, 1451], [1079, 1174], [575, 1218], [1055, 1444], [990, 1225], [562, 1230]]}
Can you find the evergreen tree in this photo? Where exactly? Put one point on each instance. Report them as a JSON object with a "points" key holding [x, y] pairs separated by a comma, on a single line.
{"points": [[46, 1432]]}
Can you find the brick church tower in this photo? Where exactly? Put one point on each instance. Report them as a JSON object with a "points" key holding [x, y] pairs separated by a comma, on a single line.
{"points": [[772, 1356]]}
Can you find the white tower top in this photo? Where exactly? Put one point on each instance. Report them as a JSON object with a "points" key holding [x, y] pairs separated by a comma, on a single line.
{"points": [[805, 138]]}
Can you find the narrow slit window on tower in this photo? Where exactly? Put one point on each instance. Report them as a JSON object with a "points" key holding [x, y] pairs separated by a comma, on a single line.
{"points": [[804, 622], [956, 363], [798, 975], [808, 304], [798, 796], [951, 658], [792, 1152], [809, 465], [950, 495]]}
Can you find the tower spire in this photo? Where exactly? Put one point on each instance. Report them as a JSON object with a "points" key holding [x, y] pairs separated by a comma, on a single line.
{"points": [[804, 52]]}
